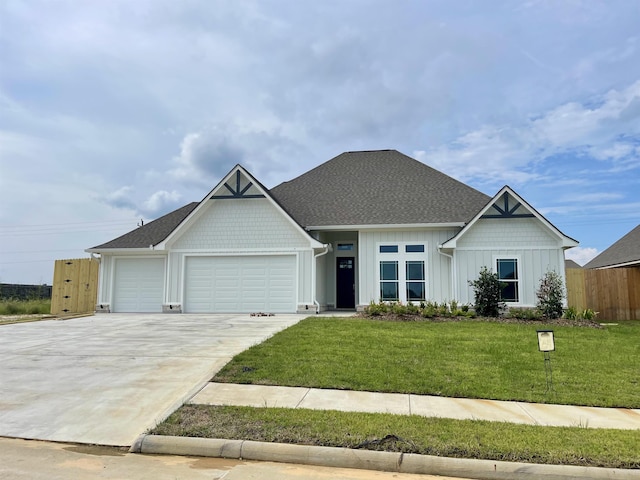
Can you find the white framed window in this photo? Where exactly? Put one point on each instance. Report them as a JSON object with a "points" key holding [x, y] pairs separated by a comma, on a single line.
{"points": [[508, 270], [402, 271]]}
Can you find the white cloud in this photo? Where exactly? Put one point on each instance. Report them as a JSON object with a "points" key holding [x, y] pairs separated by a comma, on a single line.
{"points": [[581, 255], [608, 131], [161, 201], [121, 198]]}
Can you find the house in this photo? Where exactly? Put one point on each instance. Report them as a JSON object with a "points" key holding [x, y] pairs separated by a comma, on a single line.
{"points": [[623, 253], [568, 263], [363, 227]]}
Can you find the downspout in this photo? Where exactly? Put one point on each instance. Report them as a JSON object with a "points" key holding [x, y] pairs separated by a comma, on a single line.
{"points": [[313, 276], [453, 273]]}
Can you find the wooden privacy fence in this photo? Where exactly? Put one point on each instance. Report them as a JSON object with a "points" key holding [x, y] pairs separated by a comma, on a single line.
{"points": [[75, 286], [613, 292]]}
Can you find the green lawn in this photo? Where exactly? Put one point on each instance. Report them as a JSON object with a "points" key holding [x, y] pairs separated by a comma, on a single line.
{"points": [[472, 359], [411, 434]]}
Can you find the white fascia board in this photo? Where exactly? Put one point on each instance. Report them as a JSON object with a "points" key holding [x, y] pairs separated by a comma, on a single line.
{"points": [[398, 226], [127, 251]]}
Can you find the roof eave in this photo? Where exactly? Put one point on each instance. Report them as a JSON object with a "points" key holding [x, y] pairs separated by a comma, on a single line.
{"points": [[395, 226], [140, 250]]}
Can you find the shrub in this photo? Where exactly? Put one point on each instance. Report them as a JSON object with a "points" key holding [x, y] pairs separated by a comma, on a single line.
{"points": [[525, 313], [550, 295], [571, 313], [487, 288]]}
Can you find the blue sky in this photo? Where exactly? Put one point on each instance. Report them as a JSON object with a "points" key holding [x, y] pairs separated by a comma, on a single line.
{"points": [[115, 111]]}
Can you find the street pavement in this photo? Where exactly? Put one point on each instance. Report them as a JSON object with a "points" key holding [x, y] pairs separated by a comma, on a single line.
{"points": [[33, 460]]}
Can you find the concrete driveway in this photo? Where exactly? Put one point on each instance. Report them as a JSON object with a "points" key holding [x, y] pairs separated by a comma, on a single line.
{"points": [[106, 379]]}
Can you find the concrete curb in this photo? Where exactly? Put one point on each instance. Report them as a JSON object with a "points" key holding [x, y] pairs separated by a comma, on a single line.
{"points": [[369, 460]]}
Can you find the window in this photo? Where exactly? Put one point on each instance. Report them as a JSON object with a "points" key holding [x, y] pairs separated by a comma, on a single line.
{"points": [[345, 247], [402, 272], [415, 280], [507, 269], [389, 280]]}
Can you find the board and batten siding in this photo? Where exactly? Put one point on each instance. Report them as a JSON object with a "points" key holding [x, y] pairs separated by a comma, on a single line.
{"points": [[526, 239], [438, 268]]}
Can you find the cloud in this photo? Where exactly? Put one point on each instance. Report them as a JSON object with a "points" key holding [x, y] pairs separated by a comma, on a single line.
{"points": [[608, 130], [161, 202], [121, 198], [207, 155], [581, 255]]}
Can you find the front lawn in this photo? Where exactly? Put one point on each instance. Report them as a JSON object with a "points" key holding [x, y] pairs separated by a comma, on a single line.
{"points": [[410, 434], [471, 359]]}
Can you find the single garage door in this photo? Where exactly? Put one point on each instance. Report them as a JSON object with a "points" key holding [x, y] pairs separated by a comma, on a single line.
{"points": [[138, 285], [240, 284]]}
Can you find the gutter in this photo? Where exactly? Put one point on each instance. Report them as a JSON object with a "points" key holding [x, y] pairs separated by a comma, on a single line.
{"points": [[453, 273], [313, 276]]}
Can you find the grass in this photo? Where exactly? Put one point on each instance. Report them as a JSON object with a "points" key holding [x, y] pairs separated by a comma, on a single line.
{"points": [[9, 306], [411, 434], [471, 359]]}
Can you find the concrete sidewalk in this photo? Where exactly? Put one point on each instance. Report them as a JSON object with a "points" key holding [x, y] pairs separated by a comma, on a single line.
{"points": [[424, 405]]}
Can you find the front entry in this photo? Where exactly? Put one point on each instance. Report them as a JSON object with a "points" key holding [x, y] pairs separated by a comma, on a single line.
{"points": [[345, 282]]}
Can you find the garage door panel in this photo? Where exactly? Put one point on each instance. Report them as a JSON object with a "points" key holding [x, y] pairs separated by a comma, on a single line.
{"points": [[240, 284], [139, 285]]}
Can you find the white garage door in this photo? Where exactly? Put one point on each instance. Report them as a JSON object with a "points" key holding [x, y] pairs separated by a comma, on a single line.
{"points": [[138, 285], [240, 284]]}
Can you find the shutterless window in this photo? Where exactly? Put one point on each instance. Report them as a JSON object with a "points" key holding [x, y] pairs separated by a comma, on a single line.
{"points": [[389, 280], [414, 248], [415, 280], [388, 248], [508, 274]]}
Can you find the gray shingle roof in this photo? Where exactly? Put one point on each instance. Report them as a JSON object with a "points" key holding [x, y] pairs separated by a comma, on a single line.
{"points": [[568, 263], [151, 233], [625, 250], [377, 188], [355, 188]]}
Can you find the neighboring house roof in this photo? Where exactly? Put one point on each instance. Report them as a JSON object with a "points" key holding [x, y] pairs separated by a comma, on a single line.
{"points": [[150, 233], [568, 263], [624, 252], [381, 187]]}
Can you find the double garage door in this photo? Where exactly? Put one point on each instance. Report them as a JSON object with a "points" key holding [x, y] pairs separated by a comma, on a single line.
{"points": [[240, 284], [212, 284]]}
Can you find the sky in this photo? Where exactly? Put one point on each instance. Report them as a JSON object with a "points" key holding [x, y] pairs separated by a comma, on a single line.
{"points": [[115, 112]]}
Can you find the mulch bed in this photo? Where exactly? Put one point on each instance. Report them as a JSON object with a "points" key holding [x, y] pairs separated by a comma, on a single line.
{"points": [[561, 322]]}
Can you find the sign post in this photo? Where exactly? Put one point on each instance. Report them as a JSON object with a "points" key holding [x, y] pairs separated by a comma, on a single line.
{"points": [[546, 344]]}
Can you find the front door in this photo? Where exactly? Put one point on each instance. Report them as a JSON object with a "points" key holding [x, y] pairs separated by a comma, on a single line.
{"points": [[345, 282]]}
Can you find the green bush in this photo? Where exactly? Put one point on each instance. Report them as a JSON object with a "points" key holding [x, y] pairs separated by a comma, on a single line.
{"points": [[487, 288], [525, 313], [550, 295]]}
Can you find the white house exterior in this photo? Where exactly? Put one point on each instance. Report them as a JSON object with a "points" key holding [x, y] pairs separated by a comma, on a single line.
{"points": [[363, 227]]}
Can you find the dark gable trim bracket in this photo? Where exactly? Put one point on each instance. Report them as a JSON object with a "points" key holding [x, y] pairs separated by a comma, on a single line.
{"points": [[237, 193], [507, 212]]}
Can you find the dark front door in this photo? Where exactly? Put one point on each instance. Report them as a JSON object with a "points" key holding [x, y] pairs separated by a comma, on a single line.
{"points": [[345, 282]]}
